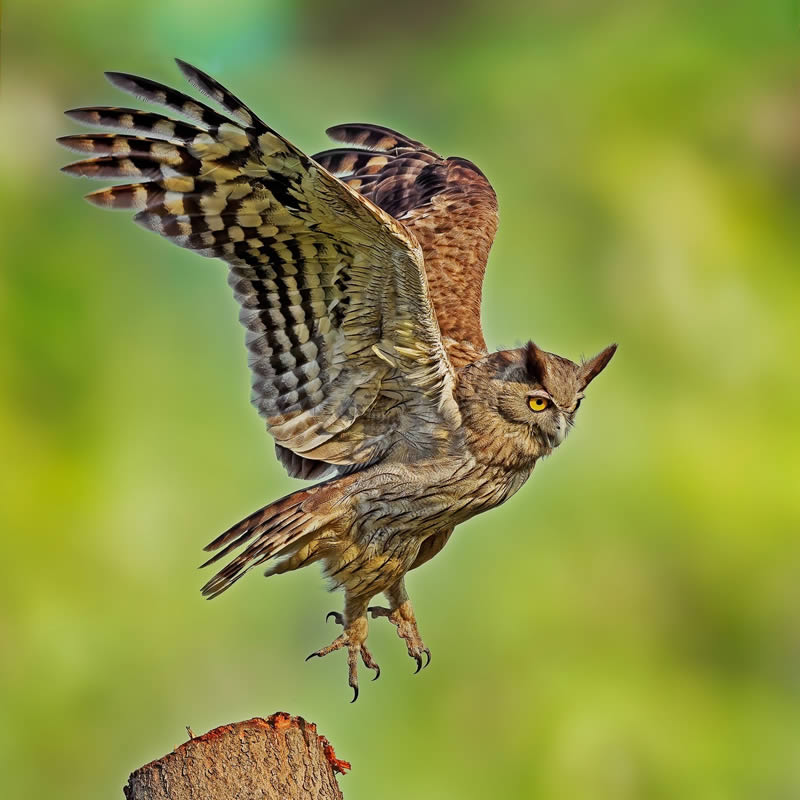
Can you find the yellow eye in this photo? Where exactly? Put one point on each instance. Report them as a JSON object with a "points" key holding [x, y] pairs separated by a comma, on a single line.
{"points": [[538, 403]]}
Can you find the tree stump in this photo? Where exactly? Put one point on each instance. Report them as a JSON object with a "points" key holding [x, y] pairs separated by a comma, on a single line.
{"points": [[281, 757]]}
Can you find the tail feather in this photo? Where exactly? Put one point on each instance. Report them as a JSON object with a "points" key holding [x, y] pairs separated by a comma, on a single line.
{"points": [[281, 522], [271, 531]]}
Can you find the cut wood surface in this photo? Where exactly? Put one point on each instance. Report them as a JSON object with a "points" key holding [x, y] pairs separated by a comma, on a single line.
{"points": [[281, 757]]}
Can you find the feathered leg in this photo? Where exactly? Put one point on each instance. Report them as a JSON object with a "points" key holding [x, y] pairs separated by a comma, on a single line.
{"points": [[401, 615], [354, 637]]}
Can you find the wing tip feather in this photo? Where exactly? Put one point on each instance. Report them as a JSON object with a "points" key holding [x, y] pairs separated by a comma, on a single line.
{"points": [[78, 114], [74, 169], [102, 198], [187, 70], [68, 141], [116, 78]]}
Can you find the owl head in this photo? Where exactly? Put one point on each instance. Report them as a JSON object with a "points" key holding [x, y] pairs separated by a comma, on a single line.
{"points": [[533, 398]]}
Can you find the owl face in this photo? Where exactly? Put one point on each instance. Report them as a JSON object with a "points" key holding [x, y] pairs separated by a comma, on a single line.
{"points": [[538, 394], [549, 421], [540, 417]]}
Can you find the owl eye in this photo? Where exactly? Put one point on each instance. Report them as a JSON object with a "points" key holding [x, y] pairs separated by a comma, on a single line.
{"points": [[538, 403]]}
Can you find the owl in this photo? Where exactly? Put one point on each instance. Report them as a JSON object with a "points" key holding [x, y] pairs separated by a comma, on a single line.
{"points": [[359, 272]]}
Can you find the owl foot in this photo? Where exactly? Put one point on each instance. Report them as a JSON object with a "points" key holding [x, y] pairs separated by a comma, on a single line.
{"points": [[403, 619], [353, 638]]}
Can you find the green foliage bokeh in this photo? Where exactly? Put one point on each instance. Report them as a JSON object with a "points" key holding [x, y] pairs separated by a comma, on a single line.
{"points": [[628, 626]]}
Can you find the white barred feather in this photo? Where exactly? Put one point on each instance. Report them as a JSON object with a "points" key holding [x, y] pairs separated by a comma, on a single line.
{"points": [[347, 360]]}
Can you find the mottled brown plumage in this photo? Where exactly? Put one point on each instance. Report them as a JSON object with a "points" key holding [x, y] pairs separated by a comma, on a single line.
{"points": [[447, 204], [359, 274]]}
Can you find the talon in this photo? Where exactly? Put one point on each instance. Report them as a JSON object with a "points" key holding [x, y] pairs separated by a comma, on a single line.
{"points": [[353, 640], [377, 672], [308, 658], [337, 617], [403, 619]]}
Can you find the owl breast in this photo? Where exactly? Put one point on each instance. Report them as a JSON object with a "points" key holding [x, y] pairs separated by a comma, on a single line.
{"points": [[398, 508]]}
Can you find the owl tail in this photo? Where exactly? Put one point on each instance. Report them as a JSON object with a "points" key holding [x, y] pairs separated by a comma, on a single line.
{"points": [[280, 528]]}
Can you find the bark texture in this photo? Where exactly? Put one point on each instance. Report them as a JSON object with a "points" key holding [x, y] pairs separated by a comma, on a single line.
{"points": [[281, 758]]}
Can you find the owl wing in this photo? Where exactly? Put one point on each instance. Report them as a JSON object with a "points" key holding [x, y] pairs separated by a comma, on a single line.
{"points": [[347, 360], [447, 203]]}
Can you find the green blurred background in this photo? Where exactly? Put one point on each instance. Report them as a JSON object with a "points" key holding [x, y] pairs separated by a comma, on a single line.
{"points": [[628, 626]]}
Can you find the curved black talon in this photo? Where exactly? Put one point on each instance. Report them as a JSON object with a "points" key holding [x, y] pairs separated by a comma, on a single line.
{"points": [[377, 673], [355, 694], [308, 658], [419, 664], [428, 654], [337, 617]]}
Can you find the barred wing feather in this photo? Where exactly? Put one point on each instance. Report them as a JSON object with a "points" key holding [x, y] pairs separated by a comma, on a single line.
{"points": [[448, 205], [346, 355]]}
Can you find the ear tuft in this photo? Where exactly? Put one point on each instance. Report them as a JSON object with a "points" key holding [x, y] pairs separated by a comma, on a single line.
{"points": [[535, 363], [594, 366]]}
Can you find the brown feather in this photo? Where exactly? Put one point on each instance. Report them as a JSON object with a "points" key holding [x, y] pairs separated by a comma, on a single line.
{"points": [[270, 531], [447, 203]]}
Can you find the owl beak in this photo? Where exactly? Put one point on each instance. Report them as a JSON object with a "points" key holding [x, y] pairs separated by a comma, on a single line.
{"points": [[561, 431], [594, 366]]}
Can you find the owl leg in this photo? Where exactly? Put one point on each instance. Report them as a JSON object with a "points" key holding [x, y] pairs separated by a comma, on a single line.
{"points": [[353, 638], [401, 615]]}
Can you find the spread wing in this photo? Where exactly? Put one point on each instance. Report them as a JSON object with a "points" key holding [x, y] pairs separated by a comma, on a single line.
{"points": [[447, 203], [347, 359]]}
